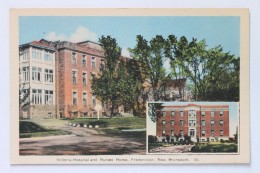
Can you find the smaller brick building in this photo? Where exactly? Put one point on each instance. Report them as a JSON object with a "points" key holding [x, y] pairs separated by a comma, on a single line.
{"points": [[201, 122]]}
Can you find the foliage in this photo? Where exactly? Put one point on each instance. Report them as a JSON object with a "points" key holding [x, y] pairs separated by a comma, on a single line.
{"points": [[154, 111], [215, 148], [150, 58], [152, 139], [213, 73], [107, 84]]}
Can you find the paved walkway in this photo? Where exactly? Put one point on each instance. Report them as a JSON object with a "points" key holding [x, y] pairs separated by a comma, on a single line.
{"points": [[173, 149], [83, 141]]}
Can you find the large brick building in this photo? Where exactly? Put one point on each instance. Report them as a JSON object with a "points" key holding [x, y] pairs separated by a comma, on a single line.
{"points": [[200, 122], [58, 74], [75, 62], [71, 68]]}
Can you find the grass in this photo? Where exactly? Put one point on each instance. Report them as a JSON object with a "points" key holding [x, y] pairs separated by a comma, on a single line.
{"points": [[155, 145], [114, 126], [28, 129], [215, 148], [118, 123]]}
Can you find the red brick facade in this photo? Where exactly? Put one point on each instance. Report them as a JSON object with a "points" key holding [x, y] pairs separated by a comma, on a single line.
{"points": [[73, 61], [203, 122]]}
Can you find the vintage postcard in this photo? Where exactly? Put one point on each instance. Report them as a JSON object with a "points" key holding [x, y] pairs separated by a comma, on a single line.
{"points": [[129, 86]]}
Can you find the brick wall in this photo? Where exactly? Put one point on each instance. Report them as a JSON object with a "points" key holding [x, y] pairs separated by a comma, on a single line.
{"points": [[168, 127]]}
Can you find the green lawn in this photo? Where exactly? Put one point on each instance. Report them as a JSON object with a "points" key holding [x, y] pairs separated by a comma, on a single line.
{"points": [[28, 129], [118, 123], [116, 126], [215, 148]]}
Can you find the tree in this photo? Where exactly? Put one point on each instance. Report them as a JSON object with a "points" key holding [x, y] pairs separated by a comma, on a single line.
{"points": [[150, 58], [213, 73], [154, 111], [106, 86], [24, 96]]}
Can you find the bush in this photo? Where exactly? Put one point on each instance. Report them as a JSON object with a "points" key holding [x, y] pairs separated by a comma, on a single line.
{"points": [[152, 139]]}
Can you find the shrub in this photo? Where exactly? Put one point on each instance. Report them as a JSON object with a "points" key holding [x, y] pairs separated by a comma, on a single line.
{"points": [[152, 139]]}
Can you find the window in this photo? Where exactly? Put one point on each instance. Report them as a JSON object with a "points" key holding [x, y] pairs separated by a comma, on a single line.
{"points": [[173, 113], [74, 77], [181, 113], [83, 60], [36, 97], [48, 57], [203, 122], [84, 99], [94, 101], [212, 122], [163, 122], [36, 73], [102, 65], [48, 75], [36, 54], [221, 132], [26, 55], [203, 132], [221, 122], [93, 62], [172, 133], [221, 113], [84, 78], [73, 58], [192, 132], [192, 122], [212, 132], [48, 97], [203, 113], [172, 122], [181, 133], [163, 132], [212, 113], [181, 122], [192, 112], [163, 113], [74, 98], [26, 74]]}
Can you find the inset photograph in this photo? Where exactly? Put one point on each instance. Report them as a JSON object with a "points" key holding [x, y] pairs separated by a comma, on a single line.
{"points": [[197, 127]]}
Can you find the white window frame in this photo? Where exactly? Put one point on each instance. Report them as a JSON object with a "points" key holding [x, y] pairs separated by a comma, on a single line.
{"points": [[36, 74], [84, 60], [74, 77], [181, 113], [74, 98], [203, 122], [84, 78], [36, 98], [48, 75], [203, 133], [25, 74], [212, 134], [181, 122], [48, 97], [73, 58], [93, 62], [84, 99], [163, 122]]}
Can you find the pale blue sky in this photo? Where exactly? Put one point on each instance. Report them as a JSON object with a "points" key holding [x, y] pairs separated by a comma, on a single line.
{"points": [[233, 115], [215, 30]]}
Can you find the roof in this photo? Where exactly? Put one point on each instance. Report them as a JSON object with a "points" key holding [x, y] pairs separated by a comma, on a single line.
{"points": [[38, 44], [197, 105]]}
